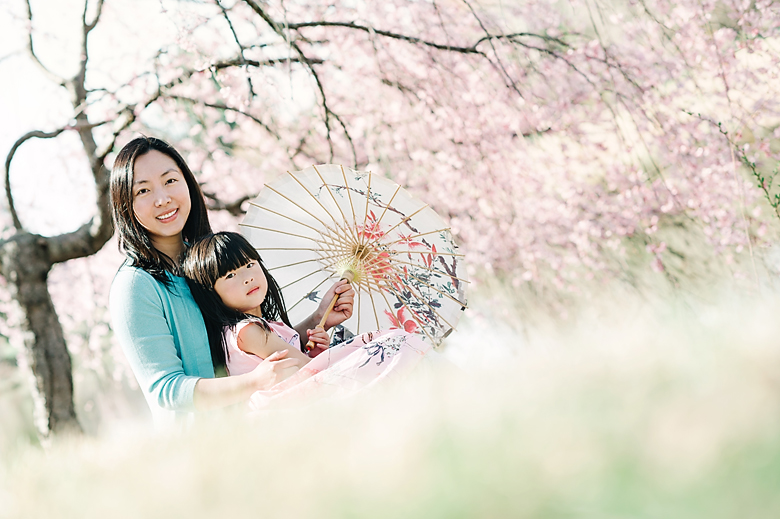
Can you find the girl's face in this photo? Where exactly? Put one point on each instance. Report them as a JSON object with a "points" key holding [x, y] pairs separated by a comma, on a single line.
{"points": [[243, 289], [161, 198]]}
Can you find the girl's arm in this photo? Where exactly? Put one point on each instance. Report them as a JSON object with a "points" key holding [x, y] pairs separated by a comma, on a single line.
{"points": [[342, 310], [257, 341]]}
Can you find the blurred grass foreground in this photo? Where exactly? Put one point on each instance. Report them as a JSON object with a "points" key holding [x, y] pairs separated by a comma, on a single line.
{"points": [[632, 413]]}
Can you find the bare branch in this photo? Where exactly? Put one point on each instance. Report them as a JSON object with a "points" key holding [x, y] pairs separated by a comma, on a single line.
{"points": [[240, 47], [233, 208], [502, 70], [389, 34], [237, 62], [224, 107], [94, 22], [309, 64], [31, 49], [21, 140]]}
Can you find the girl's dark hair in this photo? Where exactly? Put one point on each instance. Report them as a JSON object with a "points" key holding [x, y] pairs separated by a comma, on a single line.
{"points": [[133, 238], [207, 260]]}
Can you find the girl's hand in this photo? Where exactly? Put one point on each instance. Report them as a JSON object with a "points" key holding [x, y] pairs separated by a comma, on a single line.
{"points": [[342, 310], [272, 370], [320, 339]]}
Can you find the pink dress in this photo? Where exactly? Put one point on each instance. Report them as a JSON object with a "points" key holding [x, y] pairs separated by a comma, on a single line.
{"points": [[342, 370]]}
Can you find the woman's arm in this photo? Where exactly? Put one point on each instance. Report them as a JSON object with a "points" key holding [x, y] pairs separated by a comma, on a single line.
{"points": [[214, 393], [143, 321]]}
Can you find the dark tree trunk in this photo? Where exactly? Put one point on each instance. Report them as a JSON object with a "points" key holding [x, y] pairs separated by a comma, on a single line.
{"points": [[24, 262]]}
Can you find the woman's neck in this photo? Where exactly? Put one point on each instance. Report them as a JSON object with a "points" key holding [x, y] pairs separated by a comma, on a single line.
{"points": [[171, 246]]}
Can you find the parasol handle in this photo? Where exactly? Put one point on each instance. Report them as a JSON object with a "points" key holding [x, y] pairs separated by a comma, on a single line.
{"points": [[349, 276]]}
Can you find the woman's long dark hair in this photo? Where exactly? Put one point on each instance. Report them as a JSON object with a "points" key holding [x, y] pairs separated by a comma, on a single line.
{"points": [[133, 238], [207, 260]]}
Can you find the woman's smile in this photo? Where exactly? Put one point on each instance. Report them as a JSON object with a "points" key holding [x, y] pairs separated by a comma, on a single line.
{"points": [[168, 217]]}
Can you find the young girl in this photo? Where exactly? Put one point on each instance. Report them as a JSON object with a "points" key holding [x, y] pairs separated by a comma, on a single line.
{"points": [[246, 319]]}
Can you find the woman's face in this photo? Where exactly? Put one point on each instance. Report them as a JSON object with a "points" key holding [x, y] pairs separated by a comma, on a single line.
{"points": [[161, 198]]}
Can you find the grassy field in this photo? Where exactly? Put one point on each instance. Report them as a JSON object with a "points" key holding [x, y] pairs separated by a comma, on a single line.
{"points": [[633, 411]]}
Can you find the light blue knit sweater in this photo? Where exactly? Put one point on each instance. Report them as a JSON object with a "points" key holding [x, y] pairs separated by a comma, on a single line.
{"points": [[163, 337]]}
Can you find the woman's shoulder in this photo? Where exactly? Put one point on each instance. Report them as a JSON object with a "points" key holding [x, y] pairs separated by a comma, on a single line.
{"points": [[129, 276], [133, 281]]}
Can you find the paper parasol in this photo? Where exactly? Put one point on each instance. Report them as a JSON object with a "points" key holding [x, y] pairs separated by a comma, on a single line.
{"points": [[313, 225]]}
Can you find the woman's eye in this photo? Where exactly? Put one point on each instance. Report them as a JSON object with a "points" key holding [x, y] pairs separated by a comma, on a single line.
{"points": [[171, 180], [141, 191]]}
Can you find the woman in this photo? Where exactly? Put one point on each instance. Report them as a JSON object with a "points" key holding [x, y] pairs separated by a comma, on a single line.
{"points": [[158, 208]]}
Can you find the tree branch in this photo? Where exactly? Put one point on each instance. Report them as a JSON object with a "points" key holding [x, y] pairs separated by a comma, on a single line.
{"points": [[501, 69], [225, 108], [389, 34], [309, 64], [31, 49], [21, 140], [91, 25], [233, 208], [240, 48]]}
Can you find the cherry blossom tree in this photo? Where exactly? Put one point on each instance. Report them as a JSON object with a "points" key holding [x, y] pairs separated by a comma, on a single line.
{"points": [[586, 140]]}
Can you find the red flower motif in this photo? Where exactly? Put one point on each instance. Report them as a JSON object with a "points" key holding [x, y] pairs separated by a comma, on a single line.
{"points": [[371, 229], [399, 321]]}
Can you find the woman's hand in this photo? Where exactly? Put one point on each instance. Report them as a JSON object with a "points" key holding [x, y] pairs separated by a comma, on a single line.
{"points": [[342, 310], [320, 339], [272, 370]]}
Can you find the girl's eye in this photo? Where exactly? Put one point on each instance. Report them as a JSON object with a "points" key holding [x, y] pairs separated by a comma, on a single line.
{"points": [[250, 265], [230, 275]]}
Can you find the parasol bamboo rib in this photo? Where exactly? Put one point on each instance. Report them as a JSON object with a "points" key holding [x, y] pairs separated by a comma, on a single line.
{"points": [[445, 274], [292, 264], [437, 253], [445, 294], [413, 314], [349, 197], [258, 249], [338, 224], [431, 308], [292, 219], [357, 294], [296, 204], [291, 283], [398, 276], [337, 242], [306, 296], [391, 229], [415, 265], [412, 236], [365, 214], [384, 211], [333, 197], [373, 307], [278, 231]]}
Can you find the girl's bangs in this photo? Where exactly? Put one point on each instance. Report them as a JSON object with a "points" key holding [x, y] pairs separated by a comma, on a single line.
{"points": [[231, 253]]}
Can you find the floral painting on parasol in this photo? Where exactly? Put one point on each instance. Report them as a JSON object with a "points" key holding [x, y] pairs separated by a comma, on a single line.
{"points": [[315, 226]]}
